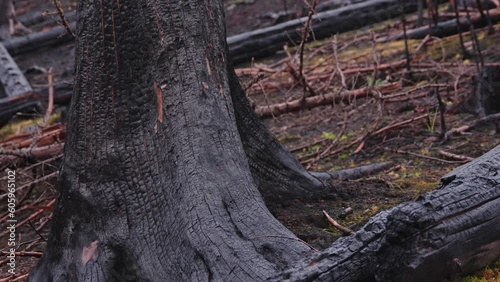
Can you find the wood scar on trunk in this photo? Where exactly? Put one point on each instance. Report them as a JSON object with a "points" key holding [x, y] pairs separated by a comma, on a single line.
{"points": [[208, 66], [159, 101], [90, 252]]}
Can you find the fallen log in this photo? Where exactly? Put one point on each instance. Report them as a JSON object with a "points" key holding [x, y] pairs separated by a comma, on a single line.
{"points": [[261, 42], [335, 4], [247, 45], [441, 236], [40, 19], [447, 28], [32, 101], [13, 85], [38, 40], [320, 100], [7, 111], [11, 77]]}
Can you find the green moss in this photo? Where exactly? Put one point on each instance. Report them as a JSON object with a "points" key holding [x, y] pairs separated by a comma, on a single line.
{"points": [[289, 138], [21, 125], [490, 273]]}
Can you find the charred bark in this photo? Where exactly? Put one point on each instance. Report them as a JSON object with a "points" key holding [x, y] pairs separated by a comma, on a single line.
{"points": [[448, 28], [441, 236], [274, 169], [13, 85], [267, 41], [11, 77], [154, 182], [164, 159], [261, 42]]}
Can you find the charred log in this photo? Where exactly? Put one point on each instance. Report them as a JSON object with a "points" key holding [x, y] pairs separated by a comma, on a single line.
{"points": [[449, 27], [31, 102], [11, 77], [441, 236], [261, 42], [39, 40], [165, 163], [245, 46]]}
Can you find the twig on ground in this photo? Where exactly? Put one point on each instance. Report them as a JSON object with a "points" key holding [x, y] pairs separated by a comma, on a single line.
{"points": [[335, 224], [20, 277], [311, 102], [24, 253], [477, 123], [455, 156], [13, 278], [428, 157], [255, 80], [34, 215], [306, 161], [33, 227], [398, 124]]}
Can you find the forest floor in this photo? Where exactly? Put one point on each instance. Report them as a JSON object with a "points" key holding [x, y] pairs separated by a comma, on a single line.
{"points": [[397, 119]]}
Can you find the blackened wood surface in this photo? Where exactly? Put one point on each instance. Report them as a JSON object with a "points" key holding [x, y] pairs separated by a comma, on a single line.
{"points": [[12, 78], [261, 42], [440, 236]]}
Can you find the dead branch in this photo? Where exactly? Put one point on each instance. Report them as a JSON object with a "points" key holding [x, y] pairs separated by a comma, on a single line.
{"points": [[335, 224], [315, 101], [24, 254], [31, 217], [428, 157], [37, 40], [455, 156], [477, 123], [398, 124]]}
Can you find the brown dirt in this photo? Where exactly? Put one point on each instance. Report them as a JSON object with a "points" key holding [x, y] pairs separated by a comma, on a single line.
{"points": [[411, 175]]}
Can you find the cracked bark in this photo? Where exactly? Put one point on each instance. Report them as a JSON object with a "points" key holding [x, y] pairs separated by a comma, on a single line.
{"points": [[124, 167], [440, 236], [164, 161]]}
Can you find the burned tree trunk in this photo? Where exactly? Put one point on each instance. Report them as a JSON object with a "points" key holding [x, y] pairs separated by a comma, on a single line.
{"points": [[155, 182], [164, 160]]}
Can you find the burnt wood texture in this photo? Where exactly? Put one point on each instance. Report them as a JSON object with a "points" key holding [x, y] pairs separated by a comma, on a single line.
{"points": [[165, 163]]}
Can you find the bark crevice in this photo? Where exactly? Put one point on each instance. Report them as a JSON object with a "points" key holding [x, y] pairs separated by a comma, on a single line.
{"points": [[177, 199]]}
